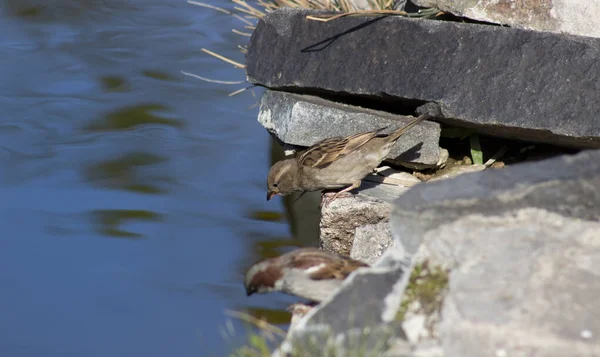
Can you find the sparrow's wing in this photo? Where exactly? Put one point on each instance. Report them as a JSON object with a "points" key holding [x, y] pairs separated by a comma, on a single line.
{"points": [[325, 152], [322, 265]]}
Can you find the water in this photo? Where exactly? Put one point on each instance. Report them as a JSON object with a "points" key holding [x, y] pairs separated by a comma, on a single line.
{"points": [[133, 197]]}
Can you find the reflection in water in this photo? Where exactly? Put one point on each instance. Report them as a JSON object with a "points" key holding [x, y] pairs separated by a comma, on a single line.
{"points": [[114, 84], [110, 221], [156, 74], [130, 117], [274, 317], [127, 173], [267, 216], [27, 11], [167, 161], [273, 247]]}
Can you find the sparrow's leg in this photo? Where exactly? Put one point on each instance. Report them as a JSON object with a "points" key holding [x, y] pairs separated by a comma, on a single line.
{"points": [[377, 170], [337, 194]]}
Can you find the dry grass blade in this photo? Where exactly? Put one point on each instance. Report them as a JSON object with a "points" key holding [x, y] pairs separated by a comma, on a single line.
{"points": [[496, 156], [236, 64], [269, 6], [360, 12], [249, 23], [240, 91], [261, 324], [241, 33], [210, 7], [248, 8], [347, 6], [210, 80], [250, 13]]}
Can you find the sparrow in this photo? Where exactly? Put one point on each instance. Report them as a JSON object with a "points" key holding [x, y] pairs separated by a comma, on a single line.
{"points": [[339, 162], [308, 273]]}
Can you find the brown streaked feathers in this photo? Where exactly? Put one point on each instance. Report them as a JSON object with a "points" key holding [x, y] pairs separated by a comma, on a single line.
{"points": [[335, 266], [325, 152]]}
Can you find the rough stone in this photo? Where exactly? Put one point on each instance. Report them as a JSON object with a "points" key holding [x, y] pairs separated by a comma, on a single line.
{"points": [[566, 185], [522, 246], [577, 17], [501, 81], [340, 218], [303, 120], [526, 282], [371, 241]]}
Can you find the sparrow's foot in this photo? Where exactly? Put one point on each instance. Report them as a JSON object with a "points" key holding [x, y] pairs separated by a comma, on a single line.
{"points": [[343, 193], [377, 171]]}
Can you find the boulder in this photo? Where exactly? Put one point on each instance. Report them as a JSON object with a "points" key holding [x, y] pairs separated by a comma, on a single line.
{"points": [[576, 17], [352, 214], [303, 120], [371, 241], [522, 248], [516, 83]]}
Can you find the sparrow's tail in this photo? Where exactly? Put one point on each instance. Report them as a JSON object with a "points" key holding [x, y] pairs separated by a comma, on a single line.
{"points": [[398, 132]]}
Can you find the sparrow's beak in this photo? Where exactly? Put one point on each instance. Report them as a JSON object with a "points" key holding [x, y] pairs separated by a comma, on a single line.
{"points": [[250, 290], [270, 195]]}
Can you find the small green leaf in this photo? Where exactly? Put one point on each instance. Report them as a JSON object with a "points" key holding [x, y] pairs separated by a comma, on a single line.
{"points": [[476, 153]]}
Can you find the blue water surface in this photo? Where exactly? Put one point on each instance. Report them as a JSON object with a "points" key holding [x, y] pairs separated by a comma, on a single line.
{"points": [[131, 196]]}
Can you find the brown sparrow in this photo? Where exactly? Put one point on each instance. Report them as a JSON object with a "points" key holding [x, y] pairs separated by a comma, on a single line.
{"points": [[334, 163], [308, 273]]}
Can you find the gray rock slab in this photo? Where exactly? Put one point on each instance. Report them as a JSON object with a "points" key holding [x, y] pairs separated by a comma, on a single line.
{"points": [[371, 241], [521, 284], [562, 16], [340, 218], [303, 120], [567, 185], [523, 248], [501, 81]]}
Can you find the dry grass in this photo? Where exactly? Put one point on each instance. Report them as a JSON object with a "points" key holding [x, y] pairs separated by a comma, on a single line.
{"points": [[249, 14]]}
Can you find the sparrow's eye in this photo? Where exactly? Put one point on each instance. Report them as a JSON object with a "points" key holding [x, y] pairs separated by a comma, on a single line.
{"points": [[274, 185]]}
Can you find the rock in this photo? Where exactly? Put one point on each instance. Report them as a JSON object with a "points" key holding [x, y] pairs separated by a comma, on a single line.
{"points": [[371, 241], [522, 246], [525, 282], [500, 81], [340, 218], [566, 185], [561, 16], [303, 120]]}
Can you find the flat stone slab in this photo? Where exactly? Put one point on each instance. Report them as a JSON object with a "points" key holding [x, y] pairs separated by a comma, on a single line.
{"points": [[500, 81], [303, 120], [577, 17], [523, 248], [521, 284]]}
